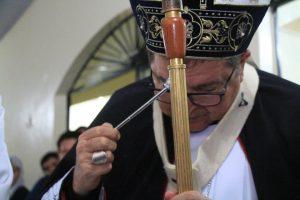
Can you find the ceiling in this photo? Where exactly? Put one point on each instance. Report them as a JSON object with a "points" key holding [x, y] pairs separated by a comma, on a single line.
{"points": [[10, 12]]}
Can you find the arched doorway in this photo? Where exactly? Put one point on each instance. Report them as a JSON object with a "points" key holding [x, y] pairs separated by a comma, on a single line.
{"points": [[118, 58]]}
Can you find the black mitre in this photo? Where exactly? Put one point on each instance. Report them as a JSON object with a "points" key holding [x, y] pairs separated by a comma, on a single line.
{"points": [[215, 28]]}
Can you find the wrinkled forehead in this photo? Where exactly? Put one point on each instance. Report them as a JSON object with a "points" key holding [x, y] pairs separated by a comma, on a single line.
{"points": [[160, 62]]}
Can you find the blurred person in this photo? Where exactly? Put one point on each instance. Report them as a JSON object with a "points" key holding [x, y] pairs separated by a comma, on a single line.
{"points": [[80, 129], [17, 191], [65, 142], [48, 163], [6, 172]]}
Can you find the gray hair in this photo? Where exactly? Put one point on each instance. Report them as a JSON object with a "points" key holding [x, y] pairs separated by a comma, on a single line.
{"points": [[233, 61]]}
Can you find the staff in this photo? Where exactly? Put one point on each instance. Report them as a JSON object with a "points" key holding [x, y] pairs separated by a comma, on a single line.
{"points": [[174, 35]]}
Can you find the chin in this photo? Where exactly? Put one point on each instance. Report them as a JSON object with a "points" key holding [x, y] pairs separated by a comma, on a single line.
{"points": [[196, 129], [199, 124]]}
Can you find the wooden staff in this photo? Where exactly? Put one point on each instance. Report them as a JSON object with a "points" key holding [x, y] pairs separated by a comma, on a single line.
{"points": [[174, 34]]}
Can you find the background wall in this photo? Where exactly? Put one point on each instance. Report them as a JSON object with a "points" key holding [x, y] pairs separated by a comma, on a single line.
{"points": [[34, 57], [288, 20], [262, 46]]}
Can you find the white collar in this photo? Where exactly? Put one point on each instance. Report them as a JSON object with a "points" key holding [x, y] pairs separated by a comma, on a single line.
{"points": [[218, 144]]}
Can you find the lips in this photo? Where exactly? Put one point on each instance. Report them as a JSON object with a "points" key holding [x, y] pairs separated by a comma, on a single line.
{"points": [[197, 114]]}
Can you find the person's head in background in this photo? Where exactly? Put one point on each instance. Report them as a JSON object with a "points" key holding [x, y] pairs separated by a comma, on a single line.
{"points": [[49, 162], [18, 179], [65, 143], [80, 129]]}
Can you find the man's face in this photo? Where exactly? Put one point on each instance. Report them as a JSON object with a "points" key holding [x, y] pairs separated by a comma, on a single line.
{"points": [[65, 146], [50, 164], [202, 76]]}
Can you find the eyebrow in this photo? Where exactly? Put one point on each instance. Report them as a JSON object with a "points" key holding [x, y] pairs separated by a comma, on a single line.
{"points": [[206, 85], [162, 79], [196, 87]]}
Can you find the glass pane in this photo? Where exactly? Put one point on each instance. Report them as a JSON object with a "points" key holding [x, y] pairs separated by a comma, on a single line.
{"points": [[82, 114]]}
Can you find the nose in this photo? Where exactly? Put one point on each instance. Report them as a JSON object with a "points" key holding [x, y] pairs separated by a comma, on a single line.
{"points": [[194, 109]]}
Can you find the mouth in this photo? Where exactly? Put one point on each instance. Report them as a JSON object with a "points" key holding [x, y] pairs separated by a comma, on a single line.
{"points": [[198, 116]]}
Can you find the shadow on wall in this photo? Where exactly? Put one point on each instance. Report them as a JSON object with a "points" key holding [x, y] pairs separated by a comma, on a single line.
{"points": [[10, 12]]}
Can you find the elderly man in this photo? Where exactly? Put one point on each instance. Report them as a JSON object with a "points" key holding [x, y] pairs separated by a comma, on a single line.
{"points": [[244, 134]]}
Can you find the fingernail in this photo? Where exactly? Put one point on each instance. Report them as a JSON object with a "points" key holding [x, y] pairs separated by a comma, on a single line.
{"points": [[107, 124]]}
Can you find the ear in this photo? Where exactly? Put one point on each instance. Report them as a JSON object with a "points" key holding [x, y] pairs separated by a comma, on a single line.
{"points": [[243, 61]]}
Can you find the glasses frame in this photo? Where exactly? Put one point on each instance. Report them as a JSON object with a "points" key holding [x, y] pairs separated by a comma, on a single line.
{"points": [[190, 95]]}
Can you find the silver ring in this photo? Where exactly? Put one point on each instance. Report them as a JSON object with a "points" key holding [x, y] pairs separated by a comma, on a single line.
{"points": [[99, 158]]}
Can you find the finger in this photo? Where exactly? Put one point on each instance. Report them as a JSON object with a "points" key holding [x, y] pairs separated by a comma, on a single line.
{"points": [[103, 130], [111, 126], [103, 169], [88, 147], [190, 195], [100, 144], [109, 158], [106, 124], [93, 171], [169, 195]]}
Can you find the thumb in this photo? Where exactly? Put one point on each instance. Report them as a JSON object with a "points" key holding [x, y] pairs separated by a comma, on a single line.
{"points": [[169, 195]]}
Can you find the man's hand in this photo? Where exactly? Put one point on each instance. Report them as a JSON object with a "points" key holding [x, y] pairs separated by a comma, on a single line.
{"points": [[190, 195], [87, 175]]}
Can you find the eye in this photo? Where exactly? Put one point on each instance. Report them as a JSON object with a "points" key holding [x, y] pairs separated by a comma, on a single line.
{"points": [[212, 88], [215, 87]]}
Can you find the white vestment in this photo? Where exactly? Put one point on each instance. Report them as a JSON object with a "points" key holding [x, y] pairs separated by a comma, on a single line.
{"points": [[6, 173]]}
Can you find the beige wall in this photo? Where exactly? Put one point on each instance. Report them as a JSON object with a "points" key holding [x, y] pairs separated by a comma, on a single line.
{"points": [[289, 40], [262, 46], [34, 57]]}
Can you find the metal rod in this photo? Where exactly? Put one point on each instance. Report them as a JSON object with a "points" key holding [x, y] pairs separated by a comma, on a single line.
{"points": [[144, 106]]}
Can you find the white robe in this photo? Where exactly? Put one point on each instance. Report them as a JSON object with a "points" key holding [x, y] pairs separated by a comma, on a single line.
{"points": [[6, 173], [233, 179]]}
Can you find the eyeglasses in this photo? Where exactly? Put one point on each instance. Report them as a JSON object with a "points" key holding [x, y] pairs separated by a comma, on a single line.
{"points": [[200, 98]]}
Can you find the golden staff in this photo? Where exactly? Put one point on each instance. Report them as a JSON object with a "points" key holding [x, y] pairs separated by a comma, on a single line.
{"points": [[174, 35]]}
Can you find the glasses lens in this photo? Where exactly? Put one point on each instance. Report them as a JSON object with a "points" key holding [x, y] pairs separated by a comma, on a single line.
{"points": [[200, 100], [205, 100]]}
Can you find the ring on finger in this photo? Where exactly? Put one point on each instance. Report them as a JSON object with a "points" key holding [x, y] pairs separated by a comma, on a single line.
{"points": [[99, 158]]}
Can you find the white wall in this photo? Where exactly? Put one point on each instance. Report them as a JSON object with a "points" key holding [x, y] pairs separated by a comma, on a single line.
{"points": [[34, 57], [263, 43], [289, 40], [262, 46]]}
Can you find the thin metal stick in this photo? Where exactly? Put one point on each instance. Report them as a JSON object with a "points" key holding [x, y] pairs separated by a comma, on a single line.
{"points": [[144, 106], [100, 156]]}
